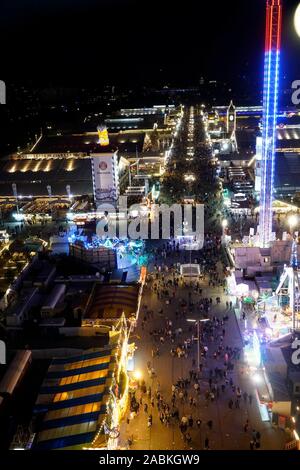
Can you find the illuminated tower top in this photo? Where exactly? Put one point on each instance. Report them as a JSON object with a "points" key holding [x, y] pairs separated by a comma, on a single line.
{"points": [[231, 118], [273, 25], [270, 108]]}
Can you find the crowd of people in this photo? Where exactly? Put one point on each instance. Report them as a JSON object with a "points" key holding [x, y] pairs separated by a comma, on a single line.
{"points": [[201, 357], [211, 377]]}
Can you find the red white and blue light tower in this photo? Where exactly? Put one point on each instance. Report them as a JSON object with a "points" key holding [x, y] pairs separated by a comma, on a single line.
{"points": [[270, 107]]}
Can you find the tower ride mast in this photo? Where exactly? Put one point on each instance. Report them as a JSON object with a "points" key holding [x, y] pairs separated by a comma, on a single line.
{"points": [[270, 107]]}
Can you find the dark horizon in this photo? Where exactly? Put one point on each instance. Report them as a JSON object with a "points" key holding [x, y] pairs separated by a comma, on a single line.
{"points": [[91, 43]]}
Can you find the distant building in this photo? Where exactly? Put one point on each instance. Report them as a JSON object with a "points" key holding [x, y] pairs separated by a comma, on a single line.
{"points": [[100, 256], [82, 399], [53, 299], [18, 313], [107, 304], [287, 165]]}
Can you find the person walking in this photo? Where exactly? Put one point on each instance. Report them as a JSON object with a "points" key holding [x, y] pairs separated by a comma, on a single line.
{"points": [[210, 424], [184, 420], [188, 438], [198, 422]]}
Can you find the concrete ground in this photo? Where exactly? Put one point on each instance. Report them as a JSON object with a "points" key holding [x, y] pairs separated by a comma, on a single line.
{"points": [[228, 425]]}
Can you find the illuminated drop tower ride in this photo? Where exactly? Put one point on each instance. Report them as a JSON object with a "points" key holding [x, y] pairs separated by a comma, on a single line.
{"points": [[270, 106]]}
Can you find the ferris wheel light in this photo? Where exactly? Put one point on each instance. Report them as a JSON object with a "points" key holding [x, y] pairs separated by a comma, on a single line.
{"points": [[297, 20]]}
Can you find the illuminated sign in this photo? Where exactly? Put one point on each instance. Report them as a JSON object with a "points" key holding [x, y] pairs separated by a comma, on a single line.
{"points": [[103, 136]]}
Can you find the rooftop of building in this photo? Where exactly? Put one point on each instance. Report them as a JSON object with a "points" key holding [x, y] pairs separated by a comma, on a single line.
{"points": [[88, 142], [287, 172], [32, 177], [73, 400], [109, 302]]}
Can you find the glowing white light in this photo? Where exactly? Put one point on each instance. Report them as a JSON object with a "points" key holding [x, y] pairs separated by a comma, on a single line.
{"points": [[293, 221], [297, 20], [18, 217], [224, 223], [257, 378], [189, 178]]}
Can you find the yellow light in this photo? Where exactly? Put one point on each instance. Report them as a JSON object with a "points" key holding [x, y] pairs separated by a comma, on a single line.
{"points": [[12, 169], [25, 167], [137, 375], [37, 166], [70, 166], [48, 166], [297, 20], [103, 136]]}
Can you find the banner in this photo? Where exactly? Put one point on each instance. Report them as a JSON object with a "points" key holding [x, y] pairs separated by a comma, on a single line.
{"points": [[105, 178]]}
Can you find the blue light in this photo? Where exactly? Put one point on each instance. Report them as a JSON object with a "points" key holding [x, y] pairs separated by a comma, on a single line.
{"points": [[270, 109]]}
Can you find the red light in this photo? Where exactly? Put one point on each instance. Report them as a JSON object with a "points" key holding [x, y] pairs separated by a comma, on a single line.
{"points": [[273, 25]]}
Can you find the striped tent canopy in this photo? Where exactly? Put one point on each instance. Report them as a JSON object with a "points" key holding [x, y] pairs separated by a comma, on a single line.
{"points": [[72, 403]]}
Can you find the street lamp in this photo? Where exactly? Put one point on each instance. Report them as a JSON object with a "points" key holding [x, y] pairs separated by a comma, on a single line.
{"points": [[204, 320], [224, 223]]}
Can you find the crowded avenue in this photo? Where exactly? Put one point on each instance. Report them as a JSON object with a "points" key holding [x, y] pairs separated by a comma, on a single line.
{"points": [[193, 388]]}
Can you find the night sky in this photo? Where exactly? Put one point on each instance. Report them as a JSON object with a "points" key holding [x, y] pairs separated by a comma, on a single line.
{"points": [[129, 41]]}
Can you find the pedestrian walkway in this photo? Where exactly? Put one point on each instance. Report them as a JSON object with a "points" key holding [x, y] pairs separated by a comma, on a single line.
{"points": [[228, 423]]}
